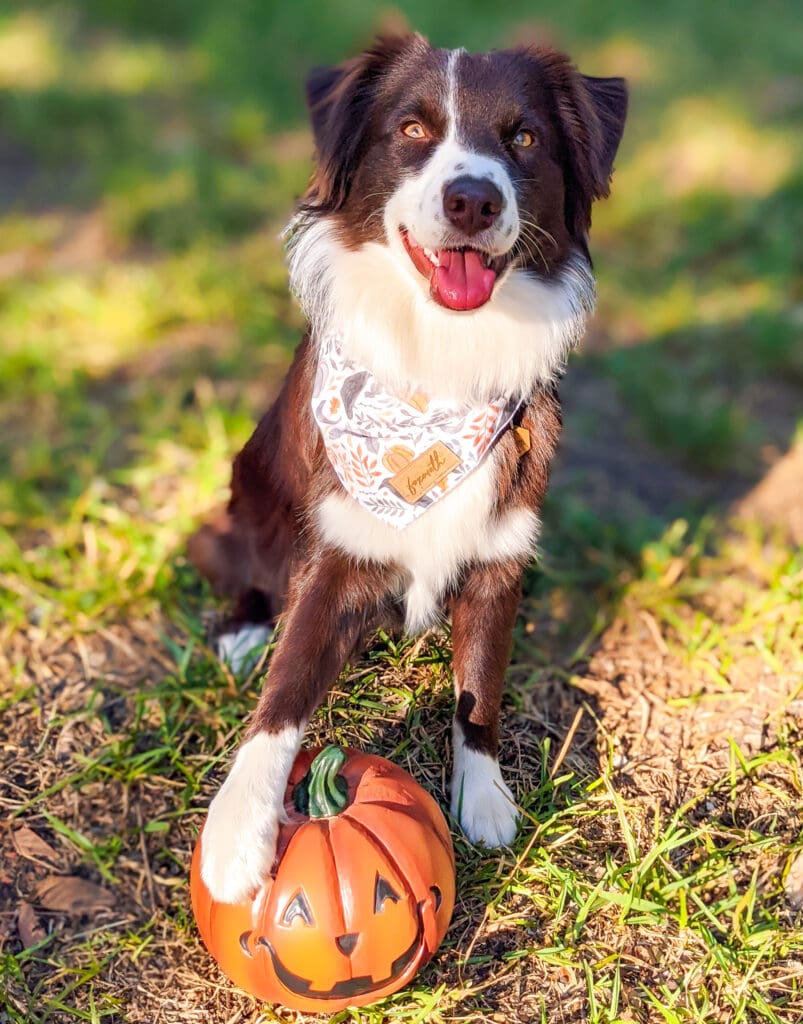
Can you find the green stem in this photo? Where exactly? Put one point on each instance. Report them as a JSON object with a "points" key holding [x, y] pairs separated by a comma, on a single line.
{"points": [[322, 793]]}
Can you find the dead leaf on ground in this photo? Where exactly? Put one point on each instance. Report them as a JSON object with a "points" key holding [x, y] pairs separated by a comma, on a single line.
{"points": [[32, 847], [794, 883], [29, 926], [75, 895]]}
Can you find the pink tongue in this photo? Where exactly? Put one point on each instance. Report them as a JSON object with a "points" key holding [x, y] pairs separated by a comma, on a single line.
{"points": [[462, 281]]}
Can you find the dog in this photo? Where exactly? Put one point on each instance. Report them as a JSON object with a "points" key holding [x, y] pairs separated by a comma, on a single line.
{"points": [[440, 255]]}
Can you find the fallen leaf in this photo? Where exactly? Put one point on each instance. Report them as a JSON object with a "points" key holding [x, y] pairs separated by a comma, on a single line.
{"points": [[794, 883], [28, 925], [31, 846], [73, 894]]}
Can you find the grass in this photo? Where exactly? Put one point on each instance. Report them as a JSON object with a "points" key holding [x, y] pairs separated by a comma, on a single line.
{"points": [[149, 155]]}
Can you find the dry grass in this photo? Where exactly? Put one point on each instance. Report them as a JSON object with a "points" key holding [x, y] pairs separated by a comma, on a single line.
{"points": [[148, 155]]}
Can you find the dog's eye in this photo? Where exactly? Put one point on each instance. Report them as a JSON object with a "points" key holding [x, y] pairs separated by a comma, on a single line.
{"points": [[523, 138], [414, 130]]}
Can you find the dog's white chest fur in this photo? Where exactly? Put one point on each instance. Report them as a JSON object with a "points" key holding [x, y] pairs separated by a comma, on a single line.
{"points": [[459, 529]]}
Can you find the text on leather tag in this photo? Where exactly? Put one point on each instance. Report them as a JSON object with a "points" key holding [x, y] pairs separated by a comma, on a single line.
{"points": [[424, 472]]}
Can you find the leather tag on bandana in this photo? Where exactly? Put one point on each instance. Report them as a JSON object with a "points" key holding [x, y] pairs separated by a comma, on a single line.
{"points": [[424, 472]]}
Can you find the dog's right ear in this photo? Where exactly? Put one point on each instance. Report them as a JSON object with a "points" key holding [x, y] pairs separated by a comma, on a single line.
{"points": [[340, 100]]}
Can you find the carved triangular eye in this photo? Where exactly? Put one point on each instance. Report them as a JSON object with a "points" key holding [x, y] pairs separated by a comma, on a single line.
{"points": [[383, 890], [297, 907]]}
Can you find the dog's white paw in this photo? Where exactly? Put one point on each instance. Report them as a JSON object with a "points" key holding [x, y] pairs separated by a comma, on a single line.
{"points": [[481, 801], [239, 837], [243, 648]]}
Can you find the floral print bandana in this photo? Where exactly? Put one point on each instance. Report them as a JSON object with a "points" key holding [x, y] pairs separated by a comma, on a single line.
{"points": [[398, 454]]}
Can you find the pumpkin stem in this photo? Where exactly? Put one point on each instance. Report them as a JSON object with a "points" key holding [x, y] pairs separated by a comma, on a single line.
{"points": [[322, 793]]}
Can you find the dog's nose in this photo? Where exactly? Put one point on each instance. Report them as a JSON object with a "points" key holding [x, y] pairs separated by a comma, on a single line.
{"points": [[472, 204], [346, 943]]}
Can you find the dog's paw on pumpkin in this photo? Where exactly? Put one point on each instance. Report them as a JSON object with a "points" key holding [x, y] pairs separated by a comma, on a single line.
{"points": [[242, 827]]}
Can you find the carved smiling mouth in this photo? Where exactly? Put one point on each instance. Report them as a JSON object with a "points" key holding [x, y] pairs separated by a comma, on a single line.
{"points": [[459, 279], [349, 987]]}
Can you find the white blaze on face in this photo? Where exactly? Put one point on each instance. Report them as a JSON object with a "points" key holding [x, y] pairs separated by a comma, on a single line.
{"points": [[418, 202]]}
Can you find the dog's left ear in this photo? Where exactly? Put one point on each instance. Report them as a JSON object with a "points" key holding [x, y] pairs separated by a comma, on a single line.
{"points": [[591, 118], [608, 97], [340, 101]]}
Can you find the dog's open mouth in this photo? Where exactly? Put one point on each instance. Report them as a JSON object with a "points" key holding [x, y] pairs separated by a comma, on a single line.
{"points": [[459, 279]]}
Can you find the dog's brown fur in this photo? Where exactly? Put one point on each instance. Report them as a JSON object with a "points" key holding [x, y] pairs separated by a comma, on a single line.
{"points": [[265, 551]]}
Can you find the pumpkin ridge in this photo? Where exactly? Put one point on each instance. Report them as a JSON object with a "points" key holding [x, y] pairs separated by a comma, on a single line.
{"points": [[369, 834], [406, 809], [336, 894]]}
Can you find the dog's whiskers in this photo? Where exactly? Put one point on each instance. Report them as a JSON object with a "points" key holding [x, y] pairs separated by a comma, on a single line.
{"points": [[530, 223], [527, 240]]}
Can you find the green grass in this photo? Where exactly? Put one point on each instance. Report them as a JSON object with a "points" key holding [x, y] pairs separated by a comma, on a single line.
{"points": [[149, 156]]}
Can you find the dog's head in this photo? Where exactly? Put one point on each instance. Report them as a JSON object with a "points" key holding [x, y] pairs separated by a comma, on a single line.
{"points": [[474, 173]]}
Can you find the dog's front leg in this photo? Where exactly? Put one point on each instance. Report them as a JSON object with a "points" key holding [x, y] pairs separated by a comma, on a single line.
{"points": [[329, 607], [483, 613]]}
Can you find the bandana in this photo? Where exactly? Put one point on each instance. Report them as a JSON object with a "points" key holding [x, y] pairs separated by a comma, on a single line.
{"points": [[397, 455]]}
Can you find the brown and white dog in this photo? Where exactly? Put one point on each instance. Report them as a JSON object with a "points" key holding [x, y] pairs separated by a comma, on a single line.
{"points": [[444, 241]]}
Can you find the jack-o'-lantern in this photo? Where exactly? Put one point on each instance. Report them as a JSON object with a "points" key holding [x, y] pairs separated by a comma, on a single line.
{"points": [[361, 895]]}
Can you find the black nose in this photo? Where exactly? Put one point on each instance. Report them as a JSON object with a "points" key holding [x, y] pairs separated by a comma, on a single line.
{"points": [[472, 204], [346, 943]]}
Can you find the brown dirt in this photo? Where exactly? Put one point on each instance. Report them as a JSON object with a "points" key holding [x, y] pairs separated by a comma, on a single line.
{"points": [[777, 500], [670, 727]]}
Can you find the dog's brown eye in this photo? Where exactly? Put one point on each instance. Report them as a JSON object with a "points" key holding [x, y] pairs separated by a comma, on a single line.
{"points": [[523, 138], [414, 130]]}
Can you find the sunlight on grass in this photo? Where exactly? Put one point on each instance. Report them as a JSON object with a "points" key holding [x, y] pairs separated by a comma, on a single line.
{"points": [[624, 56], [706, 144], [36, 51], [29, 52], [99, 320], [702, 146], [21, 234], [708, 614], [132, 69], [110, 551]]}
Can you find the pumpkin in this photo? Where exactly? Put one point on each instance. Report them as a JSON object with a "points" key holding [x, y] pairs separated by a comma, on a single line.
{"points": [[361, 894], [397, 457]]}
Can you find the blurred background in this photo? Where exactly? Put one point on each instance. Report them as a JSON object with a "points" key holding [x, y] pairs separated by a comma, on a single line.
{"points": [[150, 153]]}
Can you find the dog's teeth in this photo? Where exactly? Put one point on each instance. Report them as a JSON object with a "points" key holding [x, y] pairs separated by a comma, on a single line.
{"points": [[430, 255]]}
